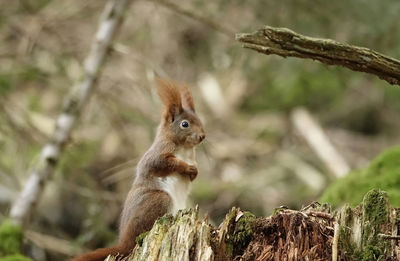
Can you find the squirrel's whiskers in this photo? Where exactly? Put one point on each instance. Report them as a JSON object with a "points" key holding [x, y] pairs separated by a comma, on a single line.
{"points": [[165, 172]]}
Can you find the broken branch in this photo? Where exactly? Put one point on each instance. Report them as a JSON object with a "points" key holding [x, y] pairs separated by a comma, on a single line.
{"points": [[287, 43]]}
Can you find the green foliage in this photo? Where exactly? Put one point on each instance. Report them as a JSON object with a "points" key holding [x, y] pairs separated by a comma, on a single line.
{"points": [[78, 156], [21, 75], [75, 165], [203, 191], [5, 84], [35, 102], [316, 87], [33, 6], [392, 96], [10, 242], [16, 257], [383, 173], [30, 73], [10, 238]]}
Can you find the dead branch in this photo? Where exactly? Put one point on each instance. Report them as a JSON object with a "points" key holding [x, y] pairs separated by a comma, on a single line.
{"points": [[73, 104], [286, 43]]}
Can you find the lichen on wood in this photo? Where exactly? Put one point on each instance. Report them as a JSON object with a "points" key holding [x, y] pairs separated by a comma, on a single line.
{"points": [[362, 228], [286, 43], [183, 237], [365, 232]]}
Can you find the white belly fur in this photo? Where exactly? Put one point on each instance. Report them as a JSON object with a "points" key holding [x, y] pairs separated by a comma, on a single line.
{"points": [[177, 186]]}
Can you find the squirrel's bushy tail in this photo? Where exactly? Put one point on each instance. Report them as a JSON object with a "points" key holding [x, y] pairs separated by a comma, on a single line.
{"points": [[101, 254]]}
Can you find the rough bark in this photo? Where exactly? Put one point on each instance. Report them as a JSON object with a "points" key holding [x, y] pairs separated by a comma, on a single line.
{"points": [[367, 232], [286, 43], [110, 22]]}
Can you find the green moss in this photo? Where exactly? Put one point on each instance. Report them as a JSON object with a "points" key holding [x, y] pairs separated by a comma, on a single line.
{"points": [[276, 211], [140, 238], [345, 243], [167, 219], [375, 213], [10, 242], [375, 207], [372, 216], [371, 253], [10, 238], [16, 257], [383, 173], [229, 248], [230, 224], [243, 232], [239, 233], [389, 161]]}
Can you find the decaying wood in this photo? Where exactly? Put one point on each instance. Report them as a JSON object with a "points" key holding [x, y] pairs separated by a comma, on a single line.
{"points": [[110, 22], [286, 43], [335, 242], [367, 232]]}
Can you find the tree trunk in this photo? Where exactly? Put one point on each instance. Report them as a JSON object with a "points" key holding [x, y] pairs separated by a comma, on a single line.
{"points": [[367, 232], [74, 103]]}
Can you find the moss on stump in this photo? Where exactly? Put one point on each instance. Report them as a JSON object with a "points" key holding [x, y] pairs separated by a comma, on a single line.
{"points": [[382, 173]]}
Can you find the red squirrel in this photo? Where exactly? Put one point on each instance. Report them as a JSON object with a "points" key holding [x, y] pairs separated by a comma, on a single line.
{"points": [[164, 173]]}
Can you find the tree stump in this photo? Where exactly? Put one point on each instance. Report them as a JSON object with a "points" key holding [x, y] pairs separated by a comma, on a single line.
{"points": [[369, 231]]}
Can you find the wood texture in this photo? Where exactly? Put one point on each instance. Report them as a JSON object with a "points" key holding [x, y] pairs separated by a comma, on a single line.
{"points": [[366, 232], [286, 43]]}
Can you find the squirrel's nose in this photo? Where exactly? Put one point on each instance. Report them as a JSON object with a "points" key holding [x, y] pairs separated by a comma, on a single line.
{"points": [[202, 137]]}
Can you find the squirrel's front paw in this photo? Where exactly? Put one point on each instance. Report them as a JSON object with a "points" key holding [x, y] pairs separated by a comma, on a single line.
{"points": [[191, 171]]}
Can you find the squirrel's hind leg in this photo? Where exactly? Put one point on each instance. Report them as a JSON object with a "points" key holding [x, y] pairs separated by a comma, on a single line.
{"points": [[154, 204]]}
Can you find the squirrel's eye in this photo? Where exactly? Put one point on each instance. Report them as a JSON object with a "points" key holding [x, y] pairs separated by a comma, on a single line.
{"points": [[184, 124]]}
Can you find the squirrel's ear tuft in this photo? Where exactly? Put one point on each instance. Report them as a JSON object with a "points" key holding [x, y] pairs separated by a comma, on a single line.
{"points": [[171, 98], [187, 98]]}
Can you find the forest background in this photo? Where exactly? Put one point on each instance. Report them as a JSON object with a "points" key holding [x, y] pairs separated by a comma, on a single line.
{"points": [[254, 157]]}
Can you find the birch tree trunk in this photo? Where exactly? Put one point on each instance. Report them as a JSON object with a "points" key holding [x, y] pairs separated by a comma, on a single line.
{"points": [[110, 22], [367, 232]]}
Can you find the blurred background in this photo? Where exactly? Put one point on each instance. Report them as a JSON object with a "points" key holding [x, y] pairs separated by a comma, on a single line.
{"points": [[255, 155]]}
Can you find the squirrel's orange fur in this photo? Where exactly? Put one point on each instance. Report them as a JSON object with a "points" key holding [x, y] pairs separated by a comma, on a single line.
{"points": [[163, 175]]}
